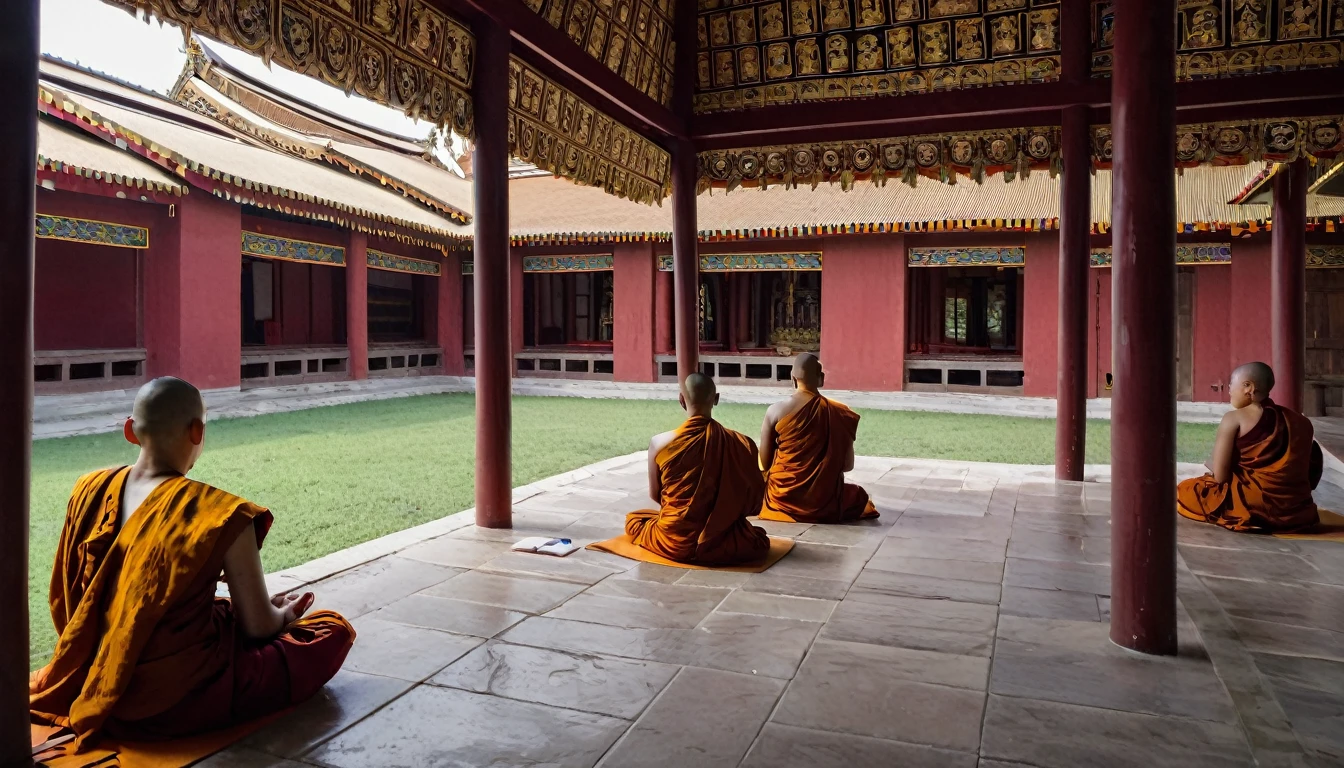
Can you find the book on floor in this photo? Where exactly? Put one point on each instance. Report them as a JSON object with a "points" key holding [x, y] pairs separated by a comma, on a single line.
{"points": [[545, 546]]}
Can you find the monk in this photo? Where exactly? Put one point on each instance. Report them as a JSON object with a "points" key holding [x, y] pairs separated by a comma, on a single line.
{"points": [[705, 479], [146, 651], [807, 446], [1265, 464]]}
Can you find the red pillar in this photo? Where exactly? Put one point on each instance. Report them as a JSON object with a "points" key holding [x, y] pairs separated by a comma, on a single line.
{"points": [[1143, 406], [1075, 227], [685, 259], [1288, 283], [18, 99], [357, 304], [448, 321], [633, 313], [494, 482], [664, 341]]}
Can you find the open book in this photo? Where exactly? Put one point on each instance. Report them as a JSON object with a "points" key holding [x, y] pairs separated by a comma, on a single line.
{"points": [[544, 546]]}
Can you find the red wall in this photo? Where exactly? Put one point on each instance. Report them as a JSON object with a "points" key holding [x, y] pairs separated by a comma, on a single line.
{"points": [[1212, 334], [863, 312], [663, 341], [192, 286], [1040, 315], [85, 296], [448, 315], [1248, 321], [357, 304], [633, 279], [516, 297]]}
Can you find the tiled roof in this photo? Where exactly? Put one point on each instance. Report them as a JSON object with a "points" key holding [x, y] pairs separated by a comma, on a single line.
{"points": [[68, 150]]}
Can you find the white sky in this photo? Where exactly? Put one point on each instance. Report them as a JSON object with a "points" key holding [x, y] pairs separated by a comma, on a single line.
{"points": [[106, 38]]}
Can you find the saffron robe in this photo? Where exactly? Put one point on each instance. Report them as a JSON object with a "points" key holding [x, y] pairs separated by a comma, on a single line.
{"points": [[806, 481], [1272, 479], [146, 651], [710, 485]]}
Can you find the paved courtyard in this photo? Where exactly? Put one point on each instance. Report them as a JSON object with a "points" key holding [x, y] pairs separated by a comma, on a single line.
{"points": [[966, 627]]}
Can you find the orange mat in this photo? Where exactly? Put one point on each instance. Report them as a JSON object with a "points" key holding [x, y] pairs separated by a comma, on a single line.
{"points": [[623, 545], [1330, 528], [782, 517], [148, 754]]}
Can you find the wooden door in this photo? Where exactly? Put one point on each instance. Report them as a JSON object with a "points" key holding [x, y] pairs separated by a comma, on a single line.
{"points": [[1185, 334], [1325, 324]]}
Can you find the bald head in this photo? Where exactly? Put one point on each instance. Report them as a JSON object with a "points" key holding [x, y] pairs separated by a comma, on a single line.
{"points": [[166, 407], [699, 390], [807, 370], [1261, 376]]}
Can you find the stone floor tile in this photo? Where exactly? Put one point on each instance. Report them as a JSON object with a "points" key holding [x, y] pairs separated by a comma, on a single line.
{"points": [[546, 567], [402, 651], [897, 547], [776, 528], [633, 603], [947, 501], [1318, 606], [914, 525], [1309, 691], [455, 553], [822, 561], [1055, 489], [704, 718], [874, 584], [1247, 564], [1288, 640], [1031, 544], [1049, 604], [724, 579], [510, 535], [837, 690], [797, 586], [1205, 535], [1073, 577], [936, 625], [469, 730], [861, 533], [515, 593], [346, 699], [614, 563], [786, 746], [243, 757], [759, 645], [450, 615], [848, 660], [939, 568], [663, 574], [780, 606], [542, 516], [376, 584], [616, 687], [1053, 735], [1063, 523]]}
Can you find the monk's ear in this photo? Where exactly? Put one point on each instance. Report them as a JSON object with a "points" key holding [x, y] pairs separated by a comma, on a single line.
{"points": [[196, 431], [821, 380], [716, 398], [128, 429], [681, 398]]}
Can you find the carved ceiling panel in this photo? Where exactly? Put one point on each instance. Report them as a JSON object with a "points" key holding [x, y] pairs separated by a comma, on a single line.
{"points": [[757, 52], [1218, 38], [633, 38]]}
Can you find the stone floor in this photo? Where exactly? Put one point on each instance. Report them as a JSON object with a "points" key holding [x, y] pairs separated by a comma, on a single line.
{"points": [[965, 627]]}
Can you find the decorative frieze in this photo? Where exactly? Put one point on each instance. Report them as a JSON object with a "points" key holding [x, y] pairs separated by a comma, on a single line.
{"points": [[285, 249], [752, 262], [597, 263], [967, 257], [390, 262], [48, 227], [1325, 256], [1194, 253], [1241, 142]]}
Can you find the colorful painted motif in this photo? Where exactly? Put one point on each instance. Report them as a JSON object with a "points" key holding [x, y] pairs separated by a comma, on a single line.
{"points": [[1281, 140], [1219, 253], [1008, 152], [967, 257], [406, 54], [391, 262], [634, 39], [1222, 38], [598, 263], [752, 262], [1325, 256], [89, 231], [559, 132], [284, 249], [848, 49]]}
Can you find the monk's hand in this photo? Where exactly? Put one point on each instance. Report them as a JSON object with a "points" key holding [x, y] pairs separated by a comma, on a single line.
{"points": [[293, 606]]}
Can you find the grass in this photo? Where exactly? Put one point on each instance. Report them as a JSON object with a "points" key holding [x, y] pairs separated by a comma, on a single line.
{"points": [[342, 475]]}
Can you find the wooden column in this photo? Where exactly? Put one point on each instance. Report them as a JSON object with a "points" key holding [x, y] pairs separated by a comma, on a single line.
{"points": [[448, 317], [1075, 225], [357, 304], [18, 169], [685, 260], [665, 341], [1143, 404], [494, 356], [1288, 283]]}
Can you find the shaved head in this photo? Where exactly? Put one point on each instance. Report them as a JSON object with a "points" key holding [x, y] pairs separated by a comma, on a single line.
{"points": [[166, 406], [807, 370], [699, 390], [1259, 374]]}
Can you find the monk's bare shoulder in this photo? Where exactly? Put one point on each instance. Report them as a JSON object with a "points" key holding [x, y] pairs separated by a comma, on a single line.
{"points": [[661, 441], [784, 408], [1246, 418]]}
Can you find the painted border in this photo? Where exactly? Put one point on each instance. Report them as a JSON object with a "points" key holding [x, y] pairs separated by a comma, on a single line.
{"points": [[70, 229], [808, 261], [390, 262], [591, 263], [963, 257], [286, 249], [1193, 254], [1325, 256]]}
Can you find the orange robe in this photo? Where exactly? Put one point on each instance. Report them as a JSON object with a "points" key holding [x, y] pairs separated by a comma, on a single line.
{"points": [[1272, 479], [710, 485], [806, 481], [146, 650]]}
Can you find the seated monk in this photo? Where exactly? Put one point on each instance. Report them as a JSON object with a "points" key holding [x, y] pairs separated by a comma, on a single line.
{"points": [[807, 446], [1264, 467], [704, 476], [146, 650]]}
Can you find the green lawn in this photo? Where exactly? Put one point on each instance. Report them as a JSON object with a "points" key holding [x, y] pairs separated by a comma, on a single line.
{"points": [[342, 475]]}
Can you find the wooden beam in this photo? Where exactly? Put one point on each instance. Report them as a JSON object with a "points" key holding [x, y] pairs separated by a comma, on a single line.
{"points": [[604, 89]]}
